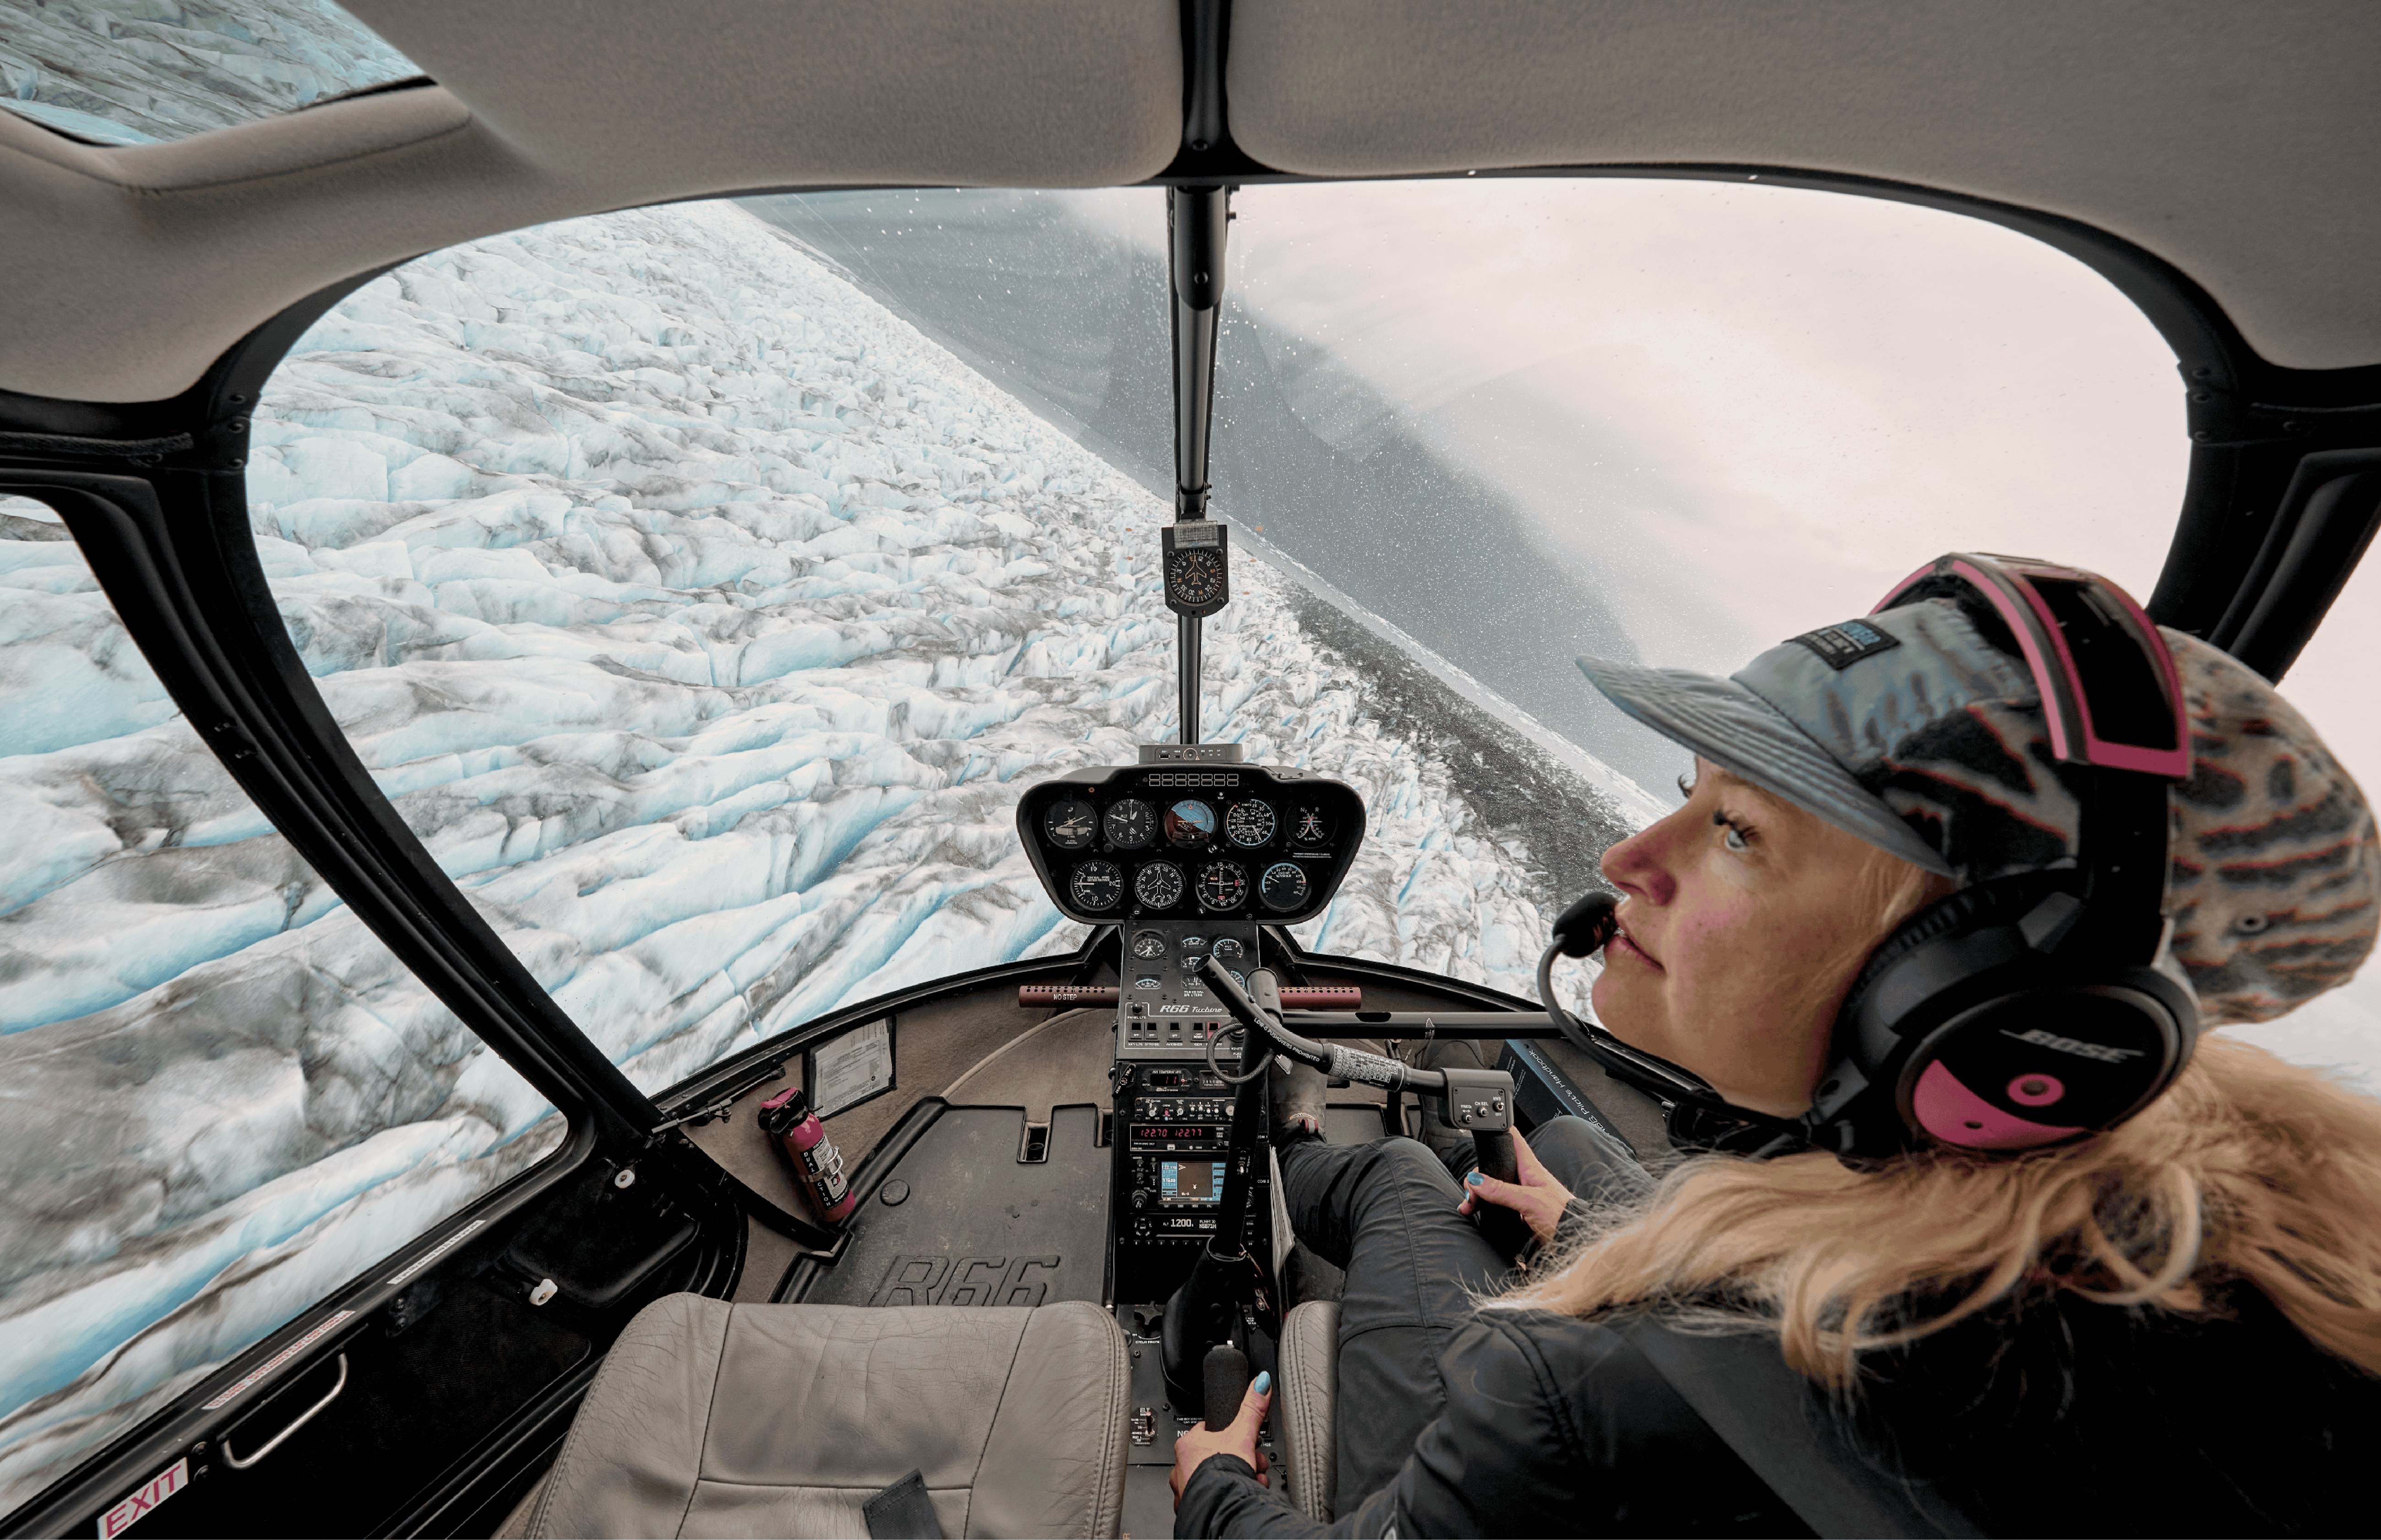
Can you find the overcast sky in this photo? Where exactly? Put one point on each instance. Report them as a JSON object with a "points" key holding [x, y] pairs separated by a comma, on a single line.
{"points": [[1743, 411]]}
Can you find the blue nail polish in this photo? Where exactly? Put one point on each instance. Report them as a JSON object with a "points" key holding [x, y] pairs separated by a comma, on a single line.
{"points": [[1475, 1179], [1265, 1382]]}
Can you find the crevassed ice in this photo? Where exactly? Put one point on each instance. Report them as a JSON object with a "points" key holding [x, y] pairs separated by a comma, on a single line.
{"points": [[127, 72], [220, 1096], [705, 621]]}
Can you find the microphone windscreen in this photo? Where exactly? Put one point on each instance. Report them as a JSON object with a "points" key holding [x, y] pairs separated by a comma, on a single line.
{"points": [[1587, 924]]}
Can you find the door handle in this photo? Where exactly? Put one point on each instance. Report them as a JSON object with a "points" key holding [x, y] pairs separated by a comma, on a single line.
{"points": [[237, 1463]]}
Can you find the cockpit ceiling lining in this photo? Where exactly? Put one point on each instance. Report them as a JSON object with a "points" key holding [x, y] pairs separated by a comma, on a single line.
{"points": [[2234, 142]]}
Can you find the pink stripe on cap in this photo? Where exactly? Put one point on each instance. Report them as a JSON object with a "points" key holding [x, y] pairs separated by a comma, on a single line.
{"points": [[1956, 1115]]}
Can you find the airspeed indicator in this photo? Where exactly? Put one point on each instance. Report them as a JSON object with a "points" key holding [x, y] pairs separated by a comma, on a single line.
{"points": [[1223, 885], [1097, 886], [1248, 825], [1283, 886]]}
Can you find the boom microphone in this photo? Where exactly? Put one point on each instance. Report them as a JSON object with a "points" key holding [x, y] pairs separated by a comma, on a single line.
{"points": [[1587, 924]]}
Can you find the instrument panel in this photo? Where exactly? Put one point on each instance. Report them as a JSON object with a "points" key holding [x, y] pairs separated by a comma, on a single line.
{"points": [[1150, 842]]}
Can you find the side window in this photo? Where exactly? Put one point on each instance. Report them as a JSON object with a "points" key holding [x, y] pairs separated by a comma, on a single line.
{"points": [[223, 1096]]}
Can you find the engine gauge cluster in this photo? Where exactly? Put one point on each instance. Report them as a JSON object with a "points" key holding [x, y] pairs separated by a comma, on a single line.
{"points": [[1160, 842]]}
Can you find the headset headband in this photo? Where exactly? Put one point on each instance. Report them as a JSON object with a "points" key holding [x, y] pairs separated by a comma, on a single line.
{"points": [[2062, 616]]}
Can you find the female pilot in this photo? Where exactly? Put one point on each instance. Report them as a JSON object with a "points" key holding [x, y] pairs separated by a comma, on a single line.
{"points": [[2170, 1326]]}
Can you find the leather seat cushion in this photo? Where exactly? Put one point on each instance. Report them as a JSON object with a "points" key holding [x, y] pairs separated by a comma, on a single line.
{"points": [[716, 1419], [1310, 1370]]}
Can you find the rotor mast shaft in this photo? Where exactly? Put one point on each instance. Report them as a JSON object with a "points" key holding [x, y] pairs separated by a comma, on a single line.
{"points": [[1196, 218]]}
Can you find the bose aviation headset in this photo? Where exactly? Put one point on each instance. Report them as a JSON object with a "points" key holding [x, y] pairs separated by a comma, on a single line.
{"points": [[2027, 1010]]}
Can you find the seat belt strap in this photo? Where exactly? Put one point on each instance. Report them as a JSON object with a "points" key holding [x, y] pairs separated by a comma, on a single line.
{"points": [[1742, 1386], [903, 1511]]}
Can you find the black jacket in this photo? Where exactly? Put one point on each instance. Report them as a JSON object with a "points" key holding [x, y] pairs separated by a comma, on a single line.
{"points": [[2046, 1416]]}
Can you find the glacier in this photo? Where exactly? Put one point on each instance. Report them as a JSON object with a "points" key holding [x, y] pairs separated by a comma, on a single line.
{"points": [[131, 71], [705, 621]]}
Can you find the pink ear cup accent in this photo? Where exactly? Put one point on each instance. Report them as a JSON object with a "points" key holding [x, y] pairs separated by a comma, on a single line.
{"points": [[2035, 1090], [1956, 1115]]}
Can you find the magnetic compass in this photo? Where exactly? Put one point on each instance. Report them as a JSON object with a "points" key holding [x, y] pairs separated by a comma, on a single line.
{"points": [[1198, 567], [1131, 824], [1223, 885], [1071, 824], [1158, 885], [1097, 886]]}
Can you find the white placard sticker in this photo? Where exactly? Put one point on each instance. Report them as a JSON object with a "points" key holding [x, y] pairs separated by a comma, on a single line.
{"points": [[164, 1484], [851, 1069]]}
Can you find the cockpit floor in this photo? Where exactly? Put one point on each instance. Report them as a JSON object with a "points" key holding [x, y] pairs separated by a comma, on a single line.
{"points": [[976, 1224]]}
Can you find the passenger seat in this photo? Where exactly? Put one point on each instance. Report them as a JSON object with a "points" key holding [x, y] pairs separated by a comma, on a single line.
{"points": [[716, 1419]]}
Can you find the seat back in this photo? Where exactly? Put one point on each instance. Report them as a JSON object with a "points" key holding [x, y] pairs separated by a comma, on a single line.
{"points": [[1310, 1368], [711, 1418]]}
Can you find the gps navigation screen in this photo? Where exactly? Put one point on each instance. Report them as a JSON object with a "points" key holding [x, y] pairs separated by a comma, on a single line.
{"points": [[1189, 1181]]}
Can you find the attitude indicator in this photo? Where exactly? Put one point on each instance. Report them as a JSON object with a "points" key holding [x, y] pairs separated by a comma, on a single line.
{"points": [[1189, 823]]}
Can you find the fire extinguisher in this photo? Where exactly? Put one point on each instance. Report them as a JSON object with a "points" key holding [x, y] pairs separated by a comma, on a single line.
{"points": [[817, 1164]]}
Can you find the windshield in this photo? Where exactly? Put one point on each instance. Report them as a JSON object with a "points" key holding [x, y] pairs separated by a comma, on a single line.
{"points": [[1526, 419], [131, 71]]}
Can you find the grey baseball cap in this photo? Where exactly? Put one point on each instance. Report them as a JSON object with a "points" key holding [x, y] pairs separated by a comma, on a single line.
{"points": [[1910, 730], [1832, 720]]}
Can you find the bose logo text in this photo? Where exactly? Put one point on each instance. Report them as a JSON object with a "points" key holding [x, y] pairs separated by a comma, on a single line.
{"points": [[2106, 1055]]}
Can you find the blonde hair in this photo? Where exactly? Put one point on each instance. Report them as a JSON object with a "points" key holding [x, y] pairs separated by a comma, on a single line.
{"points": [[2248, 1169]]}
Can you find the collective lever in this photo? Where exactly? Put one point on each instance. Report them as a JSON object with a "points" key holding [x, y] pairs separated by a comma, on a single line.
{"points": [[1479, 1102]]}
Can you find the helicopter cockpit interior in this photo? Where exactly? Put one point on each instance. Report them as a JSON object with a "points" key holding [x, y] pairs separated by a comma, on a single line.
{"points": [[687, 703]]}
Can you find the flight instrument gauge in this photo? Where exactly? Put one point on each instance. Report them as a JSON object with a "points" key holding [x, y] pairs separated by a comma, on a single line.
{"points": [[1248, 825], [1149, 945], [1197, 563], [1223, 885], [1189, 823], [1229, 950], [1097, 886], [1071, 824], [1158, 885], [1310, 828], [1283, 886], [1131, 824]]}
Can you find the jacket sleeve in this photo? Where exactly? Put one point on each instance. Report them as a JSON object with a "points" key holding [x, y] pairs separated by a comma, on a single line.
{"points": [[1551, 1426], [1501, 1459]]}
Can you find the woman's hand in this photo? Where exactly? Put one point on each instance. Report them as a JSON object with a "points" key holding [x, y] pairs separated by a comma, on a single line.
{"points": [[1538, 1197], [1195, 1446]]}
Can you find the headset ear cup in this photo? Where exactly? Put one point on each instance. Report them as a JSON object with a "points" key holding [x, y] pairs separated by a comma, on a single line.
{"points": [[2001, 901]]}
